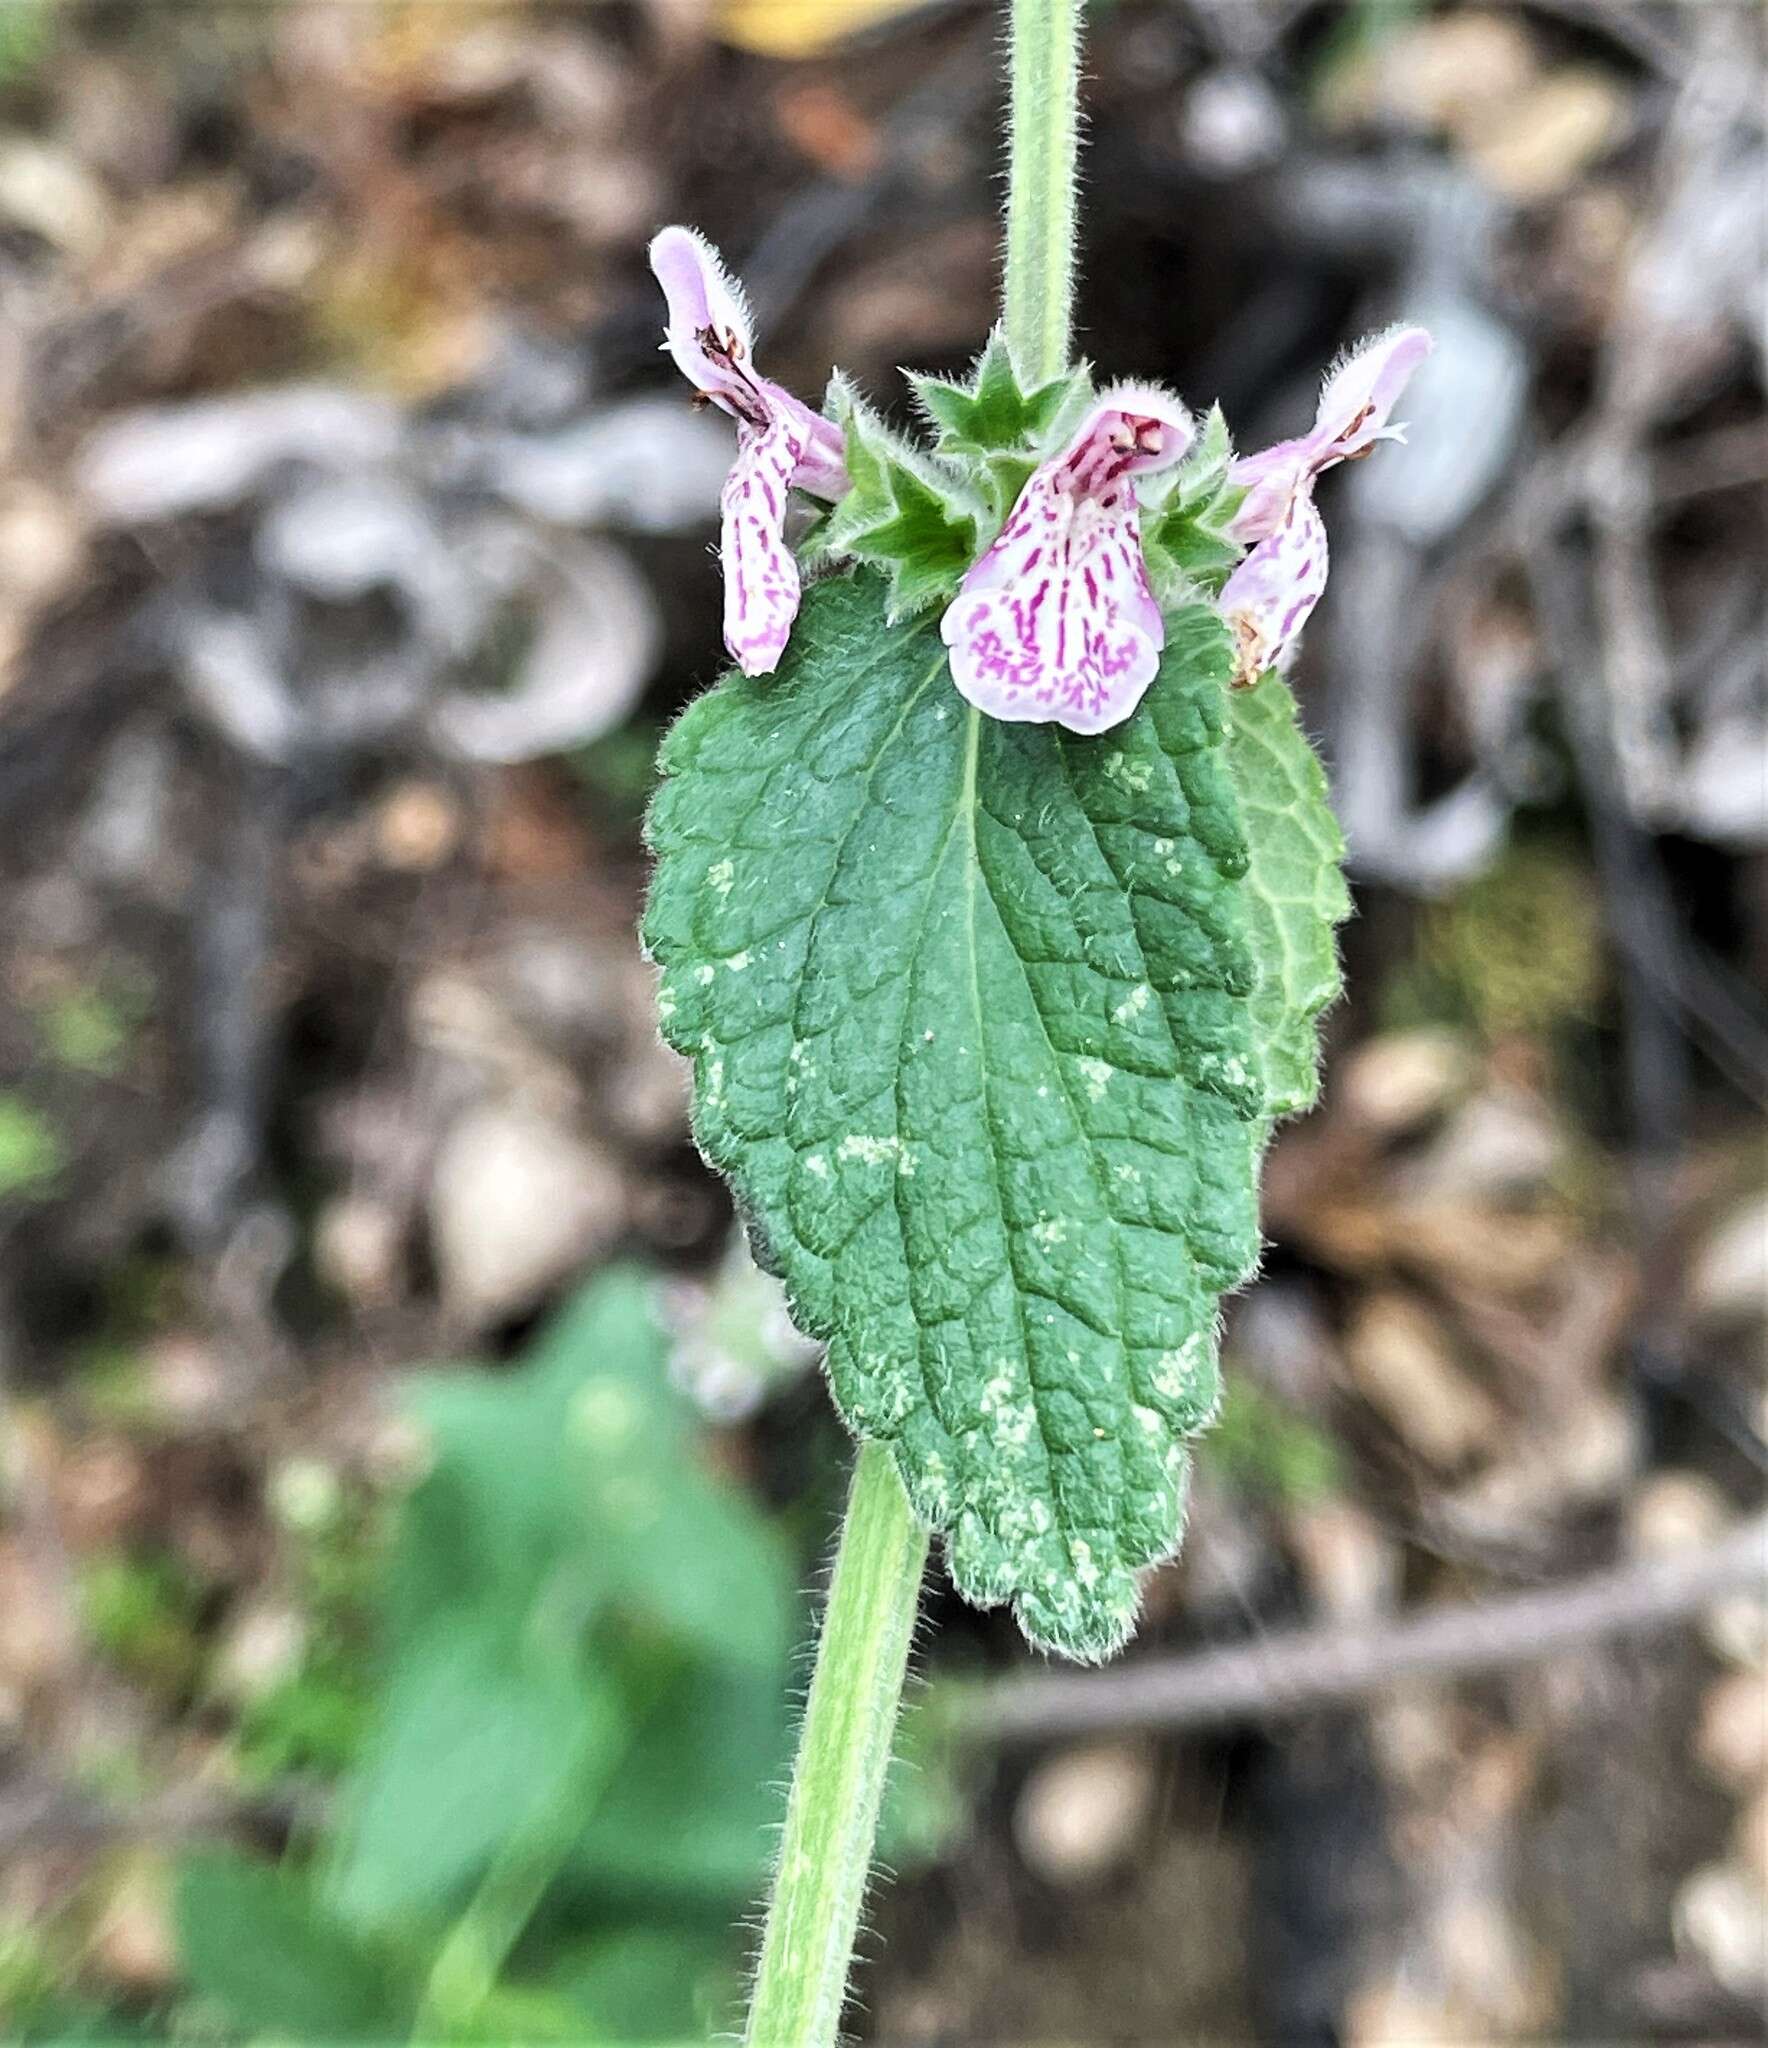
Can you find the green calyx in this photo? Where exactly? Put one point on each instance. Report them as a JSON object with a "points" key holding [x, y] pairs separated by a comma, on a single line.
{"points": [[921, 517], [996, 427], [915, 518], [1185, 532]]}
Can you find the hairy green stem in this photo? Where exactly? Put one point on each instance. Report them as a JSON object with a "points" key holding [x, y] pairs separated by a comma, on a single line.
{"points": [[843, 1755], [856, 1692], [1044, 148]]}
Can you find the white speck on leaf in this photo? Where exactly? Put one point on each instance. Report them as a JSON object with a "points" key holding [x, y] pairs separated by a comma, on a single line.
{"points": [[869, 1151], [1097, 1075]]}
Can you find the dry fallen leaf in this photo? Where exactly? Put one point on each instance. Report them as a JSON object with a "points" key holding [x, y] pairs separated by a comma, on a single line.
{"points": [[1731, 1741], [1392, 1084], [1436, 74], [1082, 1812], [1536, 146], [823, 122], [1675, 1511], [1720, 1914], [799, 28], [1728, 1274], [1350, 1565], [518, 1202], [1406, 1368]]}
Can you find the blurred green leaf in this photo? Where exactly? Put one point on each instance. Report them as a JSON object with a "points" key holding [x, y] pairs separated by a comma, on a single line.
{"points": [[31, 1151], [619, 770], [62, 2022], [257, 1944], [580, 1463], [140, 1612], [926, 1799], [89, 1029], [689, 1817], [644, 1983], [1521, 947], [567, 1570], [501, 1728], [25, 30], [1268, 1451], [313, 1721], [581, 1715]]}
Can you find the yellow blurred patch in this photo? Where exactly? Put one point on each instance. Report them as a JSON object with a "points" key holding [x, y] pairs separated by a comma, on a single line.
{"points": [[799, 28]]}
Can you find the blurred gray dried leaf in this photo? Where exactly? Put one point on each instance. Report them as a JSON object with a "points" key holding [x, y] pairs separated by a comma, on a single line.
{"points": [[354, 499], [232, 676], [166, 460], [1464, 412], [1232, 122], [1723, 793], [346, 536], [596, 640], [518, 1201], [650, 465], [1697, 284]]}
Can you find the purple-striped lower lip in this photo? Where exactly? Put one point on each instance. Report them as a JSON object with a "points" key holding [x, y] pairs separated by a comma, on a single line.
{"points": [[1057, 623]]}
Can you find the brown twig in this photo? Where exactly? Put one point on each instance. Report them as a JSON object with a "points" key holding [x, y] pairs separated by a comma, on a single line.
{"points": [[1729, 458], [1290, 1674]]}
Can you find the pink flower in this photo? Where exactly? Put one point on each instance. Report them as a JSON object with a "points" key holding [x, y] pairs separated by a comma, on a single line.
{"points": [[1269, 598], [781, 444], [1056, 622]]}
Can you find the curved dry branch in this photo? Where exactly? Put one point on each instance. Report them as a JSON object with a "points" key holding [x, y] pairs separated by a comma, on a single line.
{"points": [[1292, 1673]]}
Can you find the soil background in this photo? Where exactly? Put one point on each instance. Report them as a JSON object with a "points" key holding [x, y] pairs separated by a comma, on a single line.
{"points": [[354, 555]]}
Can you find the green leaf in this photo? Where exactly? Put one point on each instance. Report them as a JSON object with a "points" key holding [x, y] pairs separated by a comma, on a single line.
{"points": [[691, 1813], [1185, 536], [31, 1151], [27, 28], [60, 2021], [581, 1457], [520, 2013], [256, 1942], [1295, 887], [648, 1983], [503, 1724], [966, 1005], [1271, 1453], [906, 514], [565, 1510]]}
